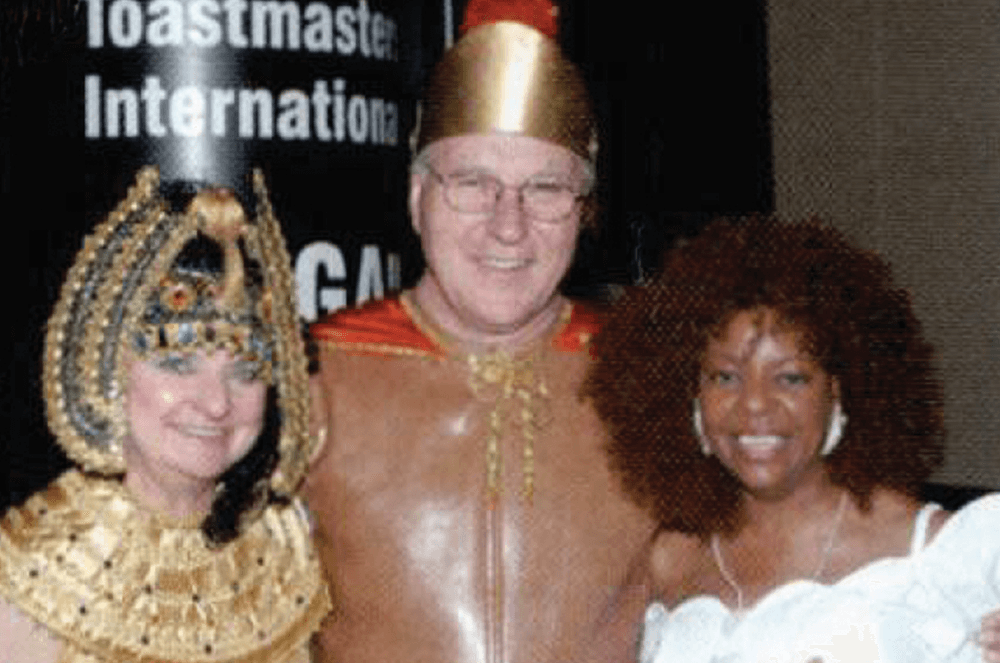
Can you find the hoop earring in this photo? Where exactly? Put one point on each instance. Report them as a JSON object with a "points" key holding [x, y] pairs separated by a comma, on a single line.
{"points": [[836, 430], [699, 428]]}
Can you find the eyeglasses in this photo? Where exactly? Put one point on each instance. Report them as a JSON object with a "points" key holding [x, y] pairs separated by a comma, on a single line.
{"points": [[544, 200]]}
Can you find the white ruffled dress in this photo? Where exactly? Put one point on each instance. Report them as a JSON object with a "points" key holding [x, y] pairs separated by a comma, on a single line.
{"points": [[922, 608]]}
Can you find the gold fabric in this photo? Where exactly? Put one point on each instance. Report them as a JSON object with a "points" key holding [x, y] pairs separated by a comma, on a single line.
{"points": [[116, 583]]}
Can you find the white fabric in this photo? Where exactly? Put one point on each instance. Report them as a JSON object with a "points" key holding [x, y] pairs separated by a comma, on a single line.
{"points": [[920, 526], [922, 608]]}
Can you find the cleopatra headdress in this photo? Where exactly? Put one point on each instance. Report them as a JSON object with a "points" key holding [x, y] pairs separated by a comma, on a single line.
{"points": [[127, 292], [508, 75]]}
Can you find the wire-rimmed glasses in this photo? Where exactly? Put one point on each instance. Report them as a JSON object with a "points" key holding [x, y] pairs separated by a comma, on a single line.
{"points": [[542, 198]]}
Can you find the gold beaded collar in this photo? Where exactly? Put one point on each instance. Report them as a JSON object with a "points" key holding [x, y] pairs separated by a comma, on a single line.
{"points": [[82, 559]]}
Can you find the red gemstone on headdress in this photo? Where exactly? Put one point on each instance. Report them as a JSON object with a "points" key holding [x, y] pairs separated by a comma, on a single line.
{"points": [[539, 14], [178, 297]]}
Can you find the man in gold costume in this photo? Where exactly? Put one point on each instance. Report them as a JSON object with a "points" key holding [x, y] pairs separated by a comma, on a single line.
{"points": [[463, 505]]}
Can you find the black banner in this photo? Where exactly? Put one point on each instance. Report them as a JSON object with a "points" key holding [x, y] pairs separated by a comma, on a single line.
{"points": [[319, 93]]}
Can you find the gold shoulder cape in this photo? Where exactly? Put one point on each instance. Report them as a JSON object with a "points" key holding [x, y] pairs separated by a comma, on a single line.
{"points": [[119, 584]]}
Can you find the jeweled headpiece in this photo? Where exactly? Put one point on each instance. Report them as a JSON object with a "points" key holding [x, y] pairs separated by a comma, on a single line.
{"points": [[508, 75], [134, 287]]}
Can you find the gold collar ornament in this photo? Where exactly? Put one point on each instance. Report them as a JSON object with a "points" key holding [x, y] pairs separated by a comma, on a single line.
{"points": [[127, 292], [500, 378], [117, 583], [516, 380]]}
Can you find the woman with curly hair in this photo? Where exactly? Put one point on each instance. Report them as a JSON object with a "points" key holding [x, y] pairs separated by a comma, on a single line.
{"points": [[772, 402], [175, 379]]}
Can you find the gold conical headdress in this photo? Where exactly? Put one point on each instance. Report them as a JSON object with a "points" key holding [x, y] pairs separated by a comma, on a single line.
{"points": [[508, 77], [127, 291]]}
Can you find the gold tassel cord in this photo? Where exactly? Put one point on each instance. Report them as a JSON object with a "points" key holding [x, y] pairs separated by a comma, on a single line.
{"points": [[513, 379]]}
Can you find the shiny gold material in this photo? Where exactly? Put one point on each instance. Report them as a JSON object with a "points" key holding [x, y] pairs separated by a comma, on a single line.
{"points": [[122, 295], [116, 583], [297, 445], [407, 523], [221, 217], [508, 78]]}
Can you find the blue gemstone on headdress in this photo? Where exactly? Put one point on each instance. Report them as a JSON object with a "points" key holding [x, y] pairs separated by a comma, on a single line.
{"points": [[186, 334], [259, 344]]}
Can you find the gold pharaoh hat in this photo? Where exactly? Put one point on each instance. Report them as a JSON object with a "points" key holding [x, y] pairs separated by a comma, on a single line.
{"points": [[127, 292], [508, 77]]}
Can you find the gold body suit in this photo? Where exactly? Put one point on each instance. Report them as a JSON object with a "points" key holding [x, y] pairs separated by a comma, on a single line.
{"points": [[464, 508]]}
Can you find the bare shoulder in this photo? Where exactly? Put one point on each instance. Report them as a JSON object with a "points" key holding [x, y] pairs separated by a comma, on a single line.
{"points": [[894, 517], [22, 640], [909, 508]]}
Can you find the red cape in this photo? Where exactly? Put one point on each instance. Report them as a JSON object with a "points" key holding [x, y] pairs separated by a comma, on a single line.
{"points": [[384, 327]]}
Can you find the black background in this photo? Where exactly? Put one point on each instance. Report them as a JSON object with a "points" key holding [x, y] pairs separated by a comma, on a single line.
{"points": [[681, 98]]}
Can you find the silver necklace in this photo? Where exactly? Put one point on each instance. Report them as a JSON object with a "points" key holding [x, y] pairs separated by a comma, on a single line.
{"points": [[831, 539]]}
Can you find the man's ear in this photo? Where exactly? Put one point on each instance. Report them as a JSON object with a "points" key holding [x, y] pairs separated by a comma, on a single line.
{"points": [[416, 187]]}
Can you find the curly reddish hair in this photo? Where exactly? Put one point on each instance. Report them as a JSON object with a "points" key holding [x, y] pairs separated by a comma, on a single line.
{"points": [[853, 321]]}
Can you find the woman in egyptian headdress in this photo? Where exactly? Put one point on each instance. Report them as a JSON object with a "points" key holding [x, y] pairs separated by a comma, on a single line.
{"points": [[175, 379]]}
